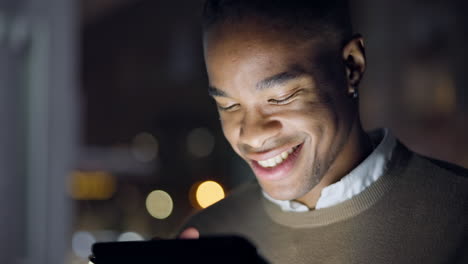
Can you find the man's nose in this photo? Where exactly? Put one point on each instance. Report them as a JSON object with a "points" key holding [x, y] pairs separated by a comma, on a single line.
{"points": [[256, 129]]}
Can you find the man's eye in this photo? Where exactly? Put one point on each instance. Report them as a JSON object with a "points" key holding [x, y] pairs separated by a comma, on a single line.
{"points": [[283, 100], [229, 108]]}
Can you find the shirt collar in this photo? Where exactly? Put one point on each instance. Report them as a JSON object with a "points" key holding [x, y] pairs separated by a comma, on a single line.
{"points": [[361, 177]]}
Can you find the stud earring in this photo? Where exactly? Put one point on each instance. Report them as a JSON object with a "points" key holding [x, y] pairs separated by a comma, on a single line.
{"points": [[354, 93]]}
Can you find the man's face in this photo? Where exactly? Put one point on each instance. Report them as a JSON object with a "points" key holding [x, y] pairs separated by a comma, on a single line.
{"points": [[282, 101]]}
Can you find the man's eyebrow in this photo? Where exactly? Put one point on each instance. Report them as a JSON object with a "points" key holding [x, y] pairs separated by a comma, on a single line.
{"points": [[213, 91], [279, 79]]}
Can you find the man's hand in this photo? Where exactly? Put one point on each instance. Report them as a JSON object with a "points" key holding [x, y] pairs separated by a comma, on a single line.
{"points": [[190, 233]]}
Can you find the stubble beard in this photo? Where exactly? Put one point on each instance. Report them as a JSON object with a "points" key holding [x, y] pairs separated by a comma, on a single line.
{"points": [[319, 170]]}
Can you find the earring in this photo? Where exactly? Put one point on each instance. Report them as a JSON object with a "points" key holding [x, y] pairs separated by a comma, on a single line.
{"points": [[354, 93]]}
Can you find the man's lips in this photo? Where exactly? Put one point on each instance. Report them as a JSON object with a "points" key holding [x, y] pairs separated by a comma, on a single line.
{"points": [[277, 171], [259, 156]]}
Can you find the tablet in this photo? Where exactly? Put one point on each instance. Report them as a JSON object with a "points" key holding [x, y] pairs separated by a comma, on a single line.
{"points": [[222, 249]]}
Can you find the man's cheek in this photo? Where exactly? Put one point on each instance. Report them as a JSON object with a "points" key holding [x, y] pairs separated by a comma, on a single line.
{"points": [[229, 134]]}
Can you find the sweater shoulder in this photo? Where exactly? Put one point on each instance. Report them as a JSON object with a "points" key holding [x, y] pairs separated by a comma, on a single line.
{"points": [[421, 165], [441, 179], [441, 170], [450, 168]]}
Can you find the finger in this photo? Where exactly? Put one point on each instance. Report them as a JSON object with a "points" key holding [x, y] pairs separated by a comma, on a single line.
{"points": [[190, 233]]}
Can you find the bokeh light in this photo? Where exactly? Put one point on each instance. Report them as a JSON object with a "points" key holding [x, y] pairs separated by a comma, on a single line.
{"points": [[145, 147], [92, 185], [130, 236], [159, 204], [208, 193], [200, 142], [82, 242]]}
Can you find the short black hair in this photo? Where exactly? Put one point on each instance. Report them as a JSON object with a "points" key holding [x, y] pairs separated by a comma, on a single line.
{"points": [[312, 17]]}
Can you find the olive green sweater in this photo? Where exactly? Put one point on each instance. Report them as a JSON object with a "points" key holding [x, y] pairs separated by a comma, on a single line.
{"points": [[416, 213]]}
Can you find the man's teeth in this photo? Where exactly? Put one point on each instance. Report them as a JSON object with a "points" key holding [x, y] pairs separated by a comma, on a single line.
{"points": [[276, 160]]}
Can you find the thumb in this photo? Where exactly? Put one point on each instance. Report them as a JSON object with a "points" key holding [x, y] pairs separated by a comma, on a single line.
{"points": [[190, 233]]}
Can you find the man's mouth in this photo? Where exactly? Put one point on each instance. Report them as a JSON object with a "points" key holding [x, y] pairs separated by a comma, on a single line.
{"points": [[275, 161], [277, 167]]}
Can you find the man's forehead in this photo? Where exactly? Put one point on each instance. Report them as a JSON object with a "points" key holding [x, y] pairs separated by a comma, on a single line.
{"points": [[272, 52], [258, 65], [236, 54]]}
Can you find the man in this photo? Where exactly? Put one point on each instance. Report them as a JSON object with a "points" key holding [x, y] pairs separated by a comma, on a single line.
{"points": [[285, 77]]}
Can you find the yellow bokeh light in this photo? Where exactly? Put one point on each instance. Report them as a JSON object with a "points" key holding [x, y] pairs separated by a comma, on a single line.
{"points": [[159, 204], [208, 193], [92, 185]]}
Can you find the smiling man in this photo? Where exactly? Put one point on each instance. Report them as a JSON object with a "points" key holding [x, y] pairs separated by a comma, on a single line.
{"points": [[287, 101], [285, 77]]}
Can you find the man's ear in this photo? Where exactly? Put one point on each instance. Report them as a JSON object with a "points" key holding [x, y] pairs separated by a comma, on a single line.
{"points": [[355, 62]]}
